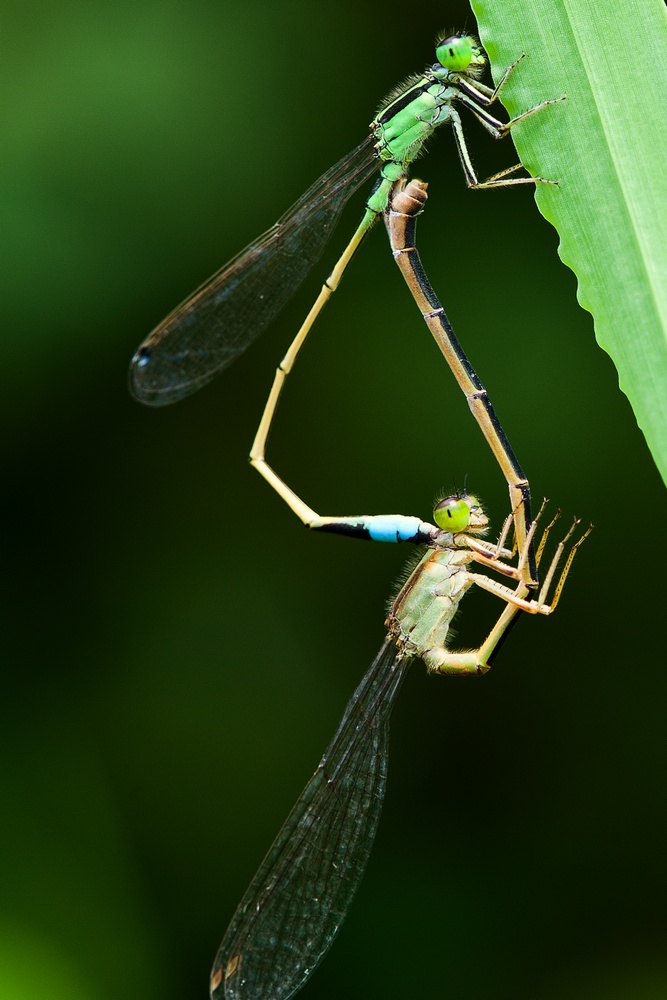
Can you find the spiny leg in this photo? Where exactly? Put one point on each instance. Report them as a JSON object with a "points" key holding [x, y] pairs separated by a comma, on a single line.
{"points": [[539, 605], [478, 661], [566, 568], [497, 130]]}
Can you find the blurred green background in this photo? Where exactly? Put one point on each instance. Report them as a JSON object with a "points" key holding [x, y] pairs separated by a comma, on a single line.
{"points": [[178, 649]]}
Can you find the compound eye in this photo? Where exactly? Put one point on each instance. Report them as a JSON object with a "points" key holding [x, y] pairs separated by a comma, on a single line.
{"points": [[452, 514], [455, 53]]}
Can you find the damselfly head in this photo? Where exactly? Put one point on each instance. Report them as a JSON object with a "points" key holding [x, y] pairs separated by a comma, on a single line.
{"points": [[461, 512], [461, 54]]}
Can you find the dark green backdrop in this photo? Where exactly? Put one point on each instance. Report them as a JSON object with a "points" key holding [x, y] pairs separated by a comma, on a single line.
{"points": [[177, 649]]}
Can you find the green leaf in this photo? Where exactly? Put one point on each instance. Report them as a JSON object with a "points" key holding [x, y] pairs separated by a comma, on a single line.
{"points": [[607, 147]]}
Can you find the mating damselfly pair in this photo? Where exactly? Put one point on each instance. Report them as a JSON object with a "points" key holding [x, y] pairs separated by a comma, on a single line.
{"points": [[302, 891]]}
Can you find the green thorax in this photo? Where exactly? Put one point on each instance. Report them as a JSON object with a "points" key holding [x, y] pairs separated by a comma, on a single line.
{"points": [[406, 121]]}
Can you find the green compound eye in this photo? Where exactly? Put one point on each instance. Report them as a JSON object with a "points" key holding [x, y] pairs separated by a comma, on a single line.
{"points": [[452, 514], [455, 53]]}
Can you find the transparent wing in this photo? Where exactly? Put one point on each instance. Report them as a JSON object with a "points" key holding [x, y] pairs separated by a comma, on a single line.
{"points": [[218, 321], [298, 899]]}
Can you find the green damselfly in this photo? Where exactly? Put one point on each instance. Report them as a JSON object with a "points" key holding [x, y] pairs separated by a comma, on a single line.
{"points": [[301, 893], [218, 321]]}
